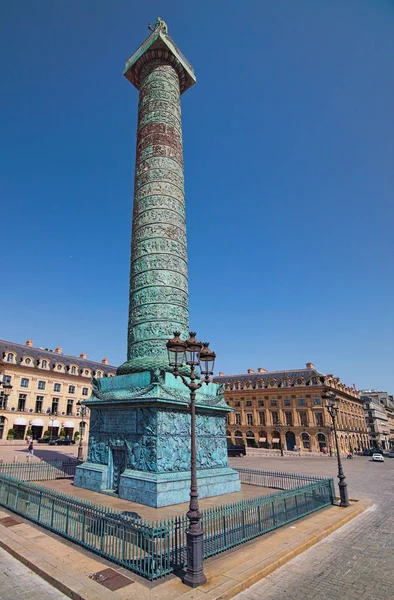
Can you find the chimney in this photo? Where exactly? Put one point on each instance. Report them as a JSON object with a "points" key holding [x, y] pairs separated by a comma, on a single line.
{"points": [[83, 355], [29, 343], [261, 370], [105, 361], [310, 366], [250, 370], [59, 350], [221, 373]]}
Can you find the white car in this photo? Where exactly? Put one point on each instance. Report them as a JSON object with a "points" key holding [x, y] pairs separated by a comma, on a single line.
{"points": [[377, 458]]}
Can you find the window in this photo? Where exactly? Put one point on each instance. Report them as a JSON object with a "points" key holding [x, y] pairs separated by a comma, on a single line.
{"points": [[287, 402], [57, 387], [260, 385], [298, 381], [24, 382], [305, 441], [71, 389], [316, 401], [41, 385], [10, 357], [85, 391], [87, 373], [238, 418], [99, 374], [7, 379], [39, 402], [319, 419], [314, 381], [59, 367], [275, 417], [3, 402], [55, 405], [237, 403], [69, 407], [248, 403], [274, 402], [73, 370], [301, 401], [303, 419], [22, 402], [285, 383], [27, 361], [289, 419], [44, 364], [262, 418], [228, 419], [249, 418], [260, 403]]}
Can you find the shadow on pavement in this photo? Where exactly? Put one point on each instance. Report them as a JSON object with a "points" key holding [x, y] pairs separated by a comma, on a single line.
{"points": [[48, 455]]}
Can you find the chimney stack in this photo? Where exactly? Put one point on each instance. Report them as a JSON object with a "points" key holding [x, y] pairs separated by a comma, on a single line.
{"points": [[59, 350], [250, 371], [82, 355], [310, 366], [221, 373], [29, 343], [261, 370], [105, 361]]}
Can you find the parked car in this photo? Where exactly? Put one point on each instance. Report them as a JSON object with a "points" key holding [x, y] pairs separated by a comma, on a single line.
{"points": [[377, 457], [236, 450], [53, 440], [46, 440], [67, 441], [391, 454], [367, 452]]}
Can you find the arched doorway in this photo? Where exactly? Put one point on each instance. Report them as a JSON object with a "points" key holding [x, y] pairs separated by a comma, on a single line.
{"points": [[321, 440], [19, 428], [305, 440], [37, 428], [290, 440], [250, 440], [263, 439], [276, 440], [228, 437], [238, 438]]}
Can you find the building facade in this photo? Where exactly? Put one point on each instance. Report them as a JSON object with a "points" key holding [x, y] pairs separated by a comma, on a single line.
{"points": [[40, 390], [274, 407], [379, 416]]}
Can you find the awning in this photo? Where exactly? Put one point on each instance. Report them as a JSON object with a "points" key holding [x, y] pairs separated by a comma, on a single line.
{"points": [[54, 423], [275, 440], [37, 423], [262, 439], [69, 424], [20, 421]]}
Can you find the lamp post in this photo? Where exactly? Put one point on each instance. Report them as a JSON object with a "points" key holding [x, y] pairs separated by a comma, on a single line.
{"points": [[82, 409], [280, 426], [332, 407], [328, 433], [194, 353]]}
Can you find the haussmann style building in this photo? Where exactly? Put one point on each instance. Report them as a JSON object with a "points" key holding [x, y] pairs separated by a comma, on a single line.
{"points": [[274, 406], [40, 388]]}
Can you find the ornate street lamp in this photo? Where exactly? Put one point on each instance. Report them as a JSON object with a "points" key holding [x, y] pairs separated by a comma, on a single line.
{"points": [[82, 409], [332, 407], [280, 426], [194, 353]]}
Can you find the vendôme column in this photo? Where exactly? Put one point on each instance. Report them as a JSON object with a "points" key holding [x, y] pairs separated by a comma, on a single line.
{"points": [[158, 303]]}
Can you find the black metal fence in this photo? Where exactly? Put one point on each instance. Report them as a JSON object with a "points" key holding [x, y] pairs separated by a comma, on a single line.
{"points": [[154, 549], [40, 471]]}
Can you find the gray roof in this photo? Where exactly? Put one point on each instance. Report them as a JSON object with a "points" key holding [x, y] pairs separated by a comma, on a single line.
{"points": [[278, 376], [36, 354]]}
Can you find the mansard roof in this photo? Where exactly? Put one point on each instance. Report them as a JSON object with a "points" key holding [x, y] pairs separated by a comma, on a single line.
{"points": [[278, 376], [21, 350]]}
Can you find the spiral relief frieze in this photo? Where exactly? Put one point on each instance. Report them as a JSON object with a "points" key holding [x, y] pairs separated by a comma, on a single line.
{"points": [[158, 274]]}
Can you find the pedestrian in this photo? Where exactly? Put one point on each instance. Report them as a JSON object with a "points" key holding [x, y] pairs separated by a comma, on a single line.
{"points": [[30, 450]]}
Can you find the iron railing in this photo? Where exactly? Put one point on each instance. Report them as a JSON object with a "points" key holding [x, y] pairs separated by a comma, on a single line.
{"points": [[155, 549], [276, 479], [40, 471]]}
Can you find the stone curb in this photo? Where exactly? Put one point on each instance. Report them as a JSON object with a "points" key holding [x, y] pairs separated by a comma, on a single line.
{"points": [[79, 587]]}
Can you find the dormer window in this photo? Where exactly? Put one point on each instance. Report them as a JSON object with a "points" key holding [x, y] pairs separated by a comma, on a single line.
{"points": [[73, 370], [44, 364], [10, 357], [27, 361], [314, 380], [299, 381]]}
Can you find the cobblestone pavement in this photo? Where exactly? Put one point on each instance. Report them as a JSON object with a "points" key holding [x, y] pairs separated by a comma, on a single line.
{"points": [[354, 563], [17, 581]]}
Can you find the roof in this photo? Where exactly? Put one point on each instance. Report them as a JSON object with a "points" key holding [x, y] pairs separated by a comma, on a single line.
{"points": [[278, 376], [53, 357]]}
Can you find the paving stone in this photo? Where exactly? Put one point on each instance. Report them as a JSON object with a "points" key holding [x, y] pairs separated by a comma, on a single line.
{"points": [[354, 563]]}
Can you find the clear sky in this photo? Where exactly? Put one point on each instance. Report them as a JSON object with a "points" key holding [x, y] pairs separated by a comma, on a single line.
{"points": [[288, 139]]}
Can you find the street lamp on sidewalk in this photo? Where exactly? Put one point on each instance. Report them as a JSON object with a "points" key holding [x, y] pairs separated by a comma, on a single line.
{"points": [[82, 410], [194, 353], [280, 427], [332, 407]]}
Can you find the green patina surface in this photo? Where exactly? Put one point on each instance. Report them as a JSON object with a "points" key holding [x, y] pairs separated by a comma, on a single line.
{"points": [[158, 302]]}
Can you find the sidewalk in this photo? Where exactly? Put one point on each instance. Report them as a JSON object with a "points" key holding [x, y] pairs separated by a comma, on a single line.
{"points": [[67, 567]]}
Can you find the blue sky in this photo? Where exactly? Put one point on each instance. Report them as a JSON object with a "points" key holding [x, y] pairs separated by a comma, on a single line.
{"points": [[288, 139]]}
